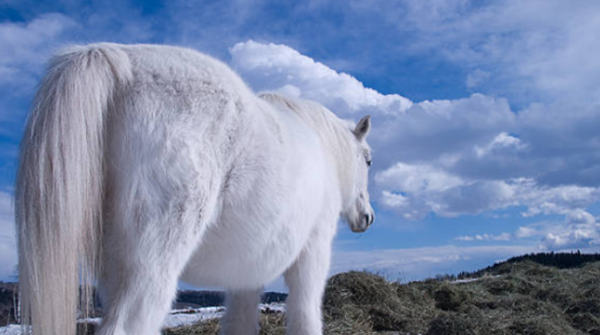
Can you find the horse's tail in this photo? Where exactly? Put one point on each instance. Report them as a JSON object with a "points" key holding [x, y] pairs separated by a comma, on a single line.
{"points": [[59, 189]]}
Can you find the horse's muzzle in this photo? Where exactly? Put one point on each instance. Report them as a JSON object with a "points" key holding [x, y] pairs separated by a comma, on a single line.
{"points": [[365, 221]]}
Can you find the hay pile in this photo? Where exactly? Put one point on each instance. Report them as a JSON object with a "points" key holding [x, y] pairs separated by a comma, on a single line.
{"points": [[527, 298], [519, 298]]}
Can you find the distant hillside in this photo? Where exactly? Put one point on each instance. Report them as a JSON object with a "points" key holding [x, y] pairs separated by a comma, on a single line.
{"points": [[185, 299], [557, 260], [194, 299]]}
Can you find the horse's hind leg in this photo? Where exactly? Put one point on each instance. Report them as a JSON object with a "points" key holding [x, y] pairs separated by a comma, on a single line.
{"points": [[306, 280], [145, 249], [241, 316]]}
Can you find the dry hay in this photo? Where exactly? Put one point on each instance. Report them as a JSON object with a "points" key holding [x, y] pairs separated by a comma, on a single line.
{"points": [[368, 303]]}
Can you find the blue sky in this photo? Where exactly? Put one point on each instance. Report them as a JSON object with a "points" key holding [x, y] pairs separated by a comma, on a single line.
{"points": [[485, 113]]}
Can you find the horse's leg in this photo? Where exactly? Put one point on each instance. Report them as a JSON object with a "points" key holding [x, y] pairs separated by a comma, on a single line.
{"points": [[241, 315], [306, 280], [144, 254]]}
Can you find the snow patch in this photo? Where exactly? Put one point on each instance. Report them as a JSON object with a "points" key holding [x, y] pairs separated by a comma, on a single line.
{"points": [[10, 330], [470, 280], [176, 318]]}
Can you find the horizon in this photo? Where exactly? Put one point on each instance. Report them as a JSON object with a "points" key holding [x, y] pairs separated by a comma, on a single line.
{"points": [[485, 115]]}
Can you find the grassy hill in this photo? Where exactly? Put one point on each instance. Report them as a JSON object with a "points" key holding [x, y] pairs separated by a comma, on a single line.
{"points": [[514, 297], [558, 260], [527, 298]]}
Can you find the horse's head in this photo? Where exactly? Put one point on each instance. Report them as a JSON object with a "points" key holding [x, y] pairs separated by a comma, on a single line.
{"points": [[357, 210]]}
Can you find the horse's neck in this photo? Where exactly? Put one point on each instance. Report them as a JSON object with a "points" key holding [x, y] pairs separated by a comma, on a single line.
{"points": [[331, 133], [336, 144]]}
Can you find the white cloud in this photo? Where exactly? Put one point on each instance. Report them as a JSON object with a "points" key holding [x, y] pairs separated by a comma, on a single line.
{"points": [[441, 129], [579, 230], [573, 236], [554, 200], [541, 47], [501, 142], [431, 189], [417, 178], [25, 47], [403, 205], [525, 232], [425, 189], [580, 217], [281, 68], [485, 237]]}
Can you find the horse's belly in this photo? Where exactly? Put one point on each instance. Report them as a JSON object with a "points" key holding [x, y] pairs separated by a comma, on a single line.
{"points": [[266, 219], [245, 259]]}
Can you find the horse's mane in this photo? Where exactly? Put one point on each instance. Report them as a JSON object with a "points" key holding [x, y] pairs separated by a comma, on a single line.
{"points": [[335, 133]]}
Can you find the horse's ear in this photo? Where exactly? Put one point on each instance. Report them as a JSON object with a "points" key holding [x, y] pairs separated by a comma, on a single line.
{"points": [[362, 127]]}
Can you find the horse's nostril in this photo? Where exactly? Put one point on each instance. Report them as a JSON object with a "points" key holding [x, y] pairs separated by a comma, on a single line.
{"points": [[368, 219]]}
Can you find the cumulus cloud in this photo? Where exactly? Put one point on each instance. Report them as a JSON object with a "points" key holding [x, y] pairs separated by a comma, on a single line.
{"points": [[25, 47], [523, 48], [417, 178], [277, 67], [525, 232], [579, 230], [426, 189], [431, 129], [430, 189], [501, 142], [577, 236]]}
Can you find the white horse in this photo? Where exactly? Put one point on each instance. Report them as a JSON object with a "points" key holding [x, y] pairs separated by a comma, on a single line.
{"points": [[144, 164]]}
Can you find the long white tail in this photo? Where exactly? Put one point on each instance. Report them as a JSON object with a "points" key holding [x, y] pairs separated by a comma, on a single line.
{"points": [[59, 189]]}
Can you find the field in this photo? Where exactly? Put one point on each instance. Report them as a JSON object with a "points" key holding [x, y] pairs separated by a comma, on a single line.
{"points": [[521, 297]]}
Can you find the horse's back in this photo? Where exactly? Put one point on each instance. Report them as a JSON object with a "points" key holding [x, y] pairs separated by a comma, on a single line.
{"points": [[181, 107], [156, 65], [171, 136]]}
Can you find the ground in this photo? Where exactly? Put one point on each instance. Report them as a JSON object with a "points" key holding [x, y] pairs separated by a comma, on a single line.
{"points": [[515, 297]]}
